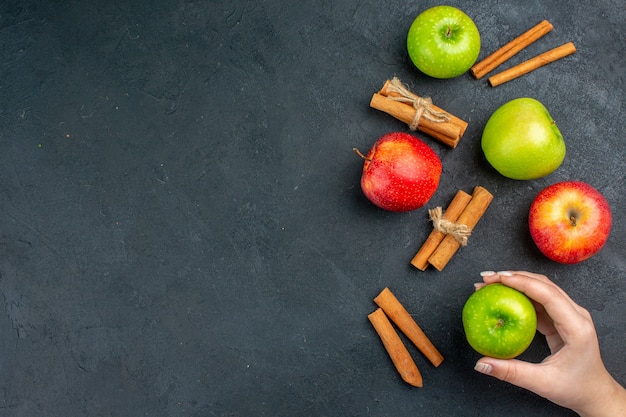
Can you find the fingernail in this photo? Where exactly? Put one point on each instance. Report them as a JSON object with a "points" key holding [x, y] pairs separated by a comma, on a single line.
{"points": [[479, 285], [483, 368], [505, 273], [487, 273]]}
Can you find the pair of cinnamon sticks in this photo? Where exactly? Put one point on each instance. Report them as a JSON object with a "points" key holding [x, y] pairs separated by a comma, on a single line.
{"points": [[516, 45], [391, 308], [440, 246]]}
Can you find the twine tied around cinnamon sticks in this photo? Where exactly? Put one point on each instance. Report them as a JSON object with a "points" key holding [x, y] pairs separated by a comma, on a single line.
{"points": [[422, 105], [418, 112], [465, 210], [461, 232]]}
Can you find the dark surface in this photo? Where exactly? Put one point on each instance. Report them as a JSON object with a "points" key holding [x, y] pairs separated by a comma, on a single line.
{"points": [[182, 227]]}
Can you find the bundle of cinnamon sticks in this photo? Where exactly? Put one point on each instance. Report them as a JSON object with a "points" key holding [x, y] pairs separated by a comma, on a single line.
{"points": [[418, 112], [443, 242]]}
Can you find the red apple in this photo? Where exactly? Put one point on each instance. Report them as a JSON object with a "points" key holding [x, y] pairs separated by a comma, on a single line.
{"points": [[400, 172], [569, 221]]}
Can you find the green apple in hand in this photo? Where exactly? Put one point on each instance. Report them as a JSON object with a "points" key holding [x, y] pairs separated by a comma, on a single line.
{"points": [[443, 42], [499, 321], [522, 141]]}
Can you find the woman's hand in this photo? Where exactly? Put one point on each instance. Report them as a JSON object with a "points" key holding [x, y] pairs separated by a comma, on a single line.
{"points": [[573, 375]]}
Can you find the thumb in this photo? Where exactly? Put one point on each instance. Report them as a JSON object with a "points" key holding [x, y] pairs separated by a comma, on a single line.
{"points": [[513, 371]]}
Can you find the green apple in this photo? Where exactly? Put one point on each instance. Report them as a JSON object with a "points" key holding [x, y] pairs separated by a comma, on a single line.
{"points": [[522, 141], [443, 42], [499, 321]]}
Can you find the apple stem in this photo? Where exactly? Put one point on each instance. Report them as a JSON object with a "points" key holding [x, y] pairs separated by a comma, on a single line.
{"points": [[448, 32], [500, 323], [572, 220], [358, 152]]}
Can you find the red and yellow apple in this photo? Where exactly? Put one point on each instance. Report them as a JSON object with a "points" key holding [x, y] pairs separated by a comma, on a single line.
{"points": [[400, 172], [569, 221]]}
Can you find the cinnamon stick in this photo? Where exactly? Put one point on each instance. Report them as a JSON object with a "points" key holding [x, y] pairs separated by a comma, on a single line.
{"points": [[398, 353], [397, 101], [398, 314], [532, 64], [452, 213], [510, 49], [481, 198]]}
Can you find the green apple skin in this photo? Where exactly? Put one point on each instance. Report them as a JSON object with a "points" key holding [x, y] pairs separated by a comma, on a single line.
{"points": [[522, 141], [499, 321], [443, 42]]}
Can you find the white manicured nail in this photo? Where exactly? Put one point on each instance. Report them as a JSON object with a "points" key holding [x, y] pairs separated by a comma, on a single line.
{"points": [[505, 273], [483, 368], [487, 273]]}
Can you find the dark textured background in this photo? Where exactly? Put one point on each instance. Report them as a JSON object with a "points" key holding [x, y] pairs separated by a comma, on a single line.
{"points": [[182, 231]]}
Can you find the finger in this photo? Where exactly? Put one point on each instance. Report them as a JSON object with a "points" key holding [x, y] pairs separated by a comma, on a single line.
{"points": [[532, 275], [545, 325], [548, 281], [491, 276], [529, 376], [543, 278], [527, 282], [553, 299]]}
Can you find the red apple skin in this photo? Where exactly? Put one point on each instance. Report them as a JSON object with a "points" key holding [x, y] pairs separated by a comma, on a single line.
{"points": [[400, 173], [569, 221]]}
